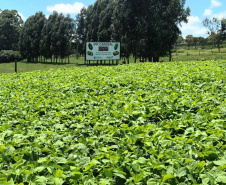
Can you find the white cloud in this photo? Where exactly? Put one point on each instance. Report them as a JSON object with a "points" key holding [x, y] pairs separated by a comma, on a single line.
{"points": [[194, 20], [220, 15], [193, 27], [66, 8], [215, 3], [22, 16], [208, 12]]}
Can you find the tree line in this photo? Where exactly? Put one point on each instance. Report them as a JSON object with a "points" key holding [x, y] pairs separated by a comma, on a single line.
{"points": [[43, 38], [146, 29], [216, 30], [39, 38]]}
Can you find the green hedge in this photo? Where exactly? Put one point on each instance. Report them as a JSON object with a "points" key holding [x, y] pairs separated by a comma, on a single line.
{"points": [[9, 56]]}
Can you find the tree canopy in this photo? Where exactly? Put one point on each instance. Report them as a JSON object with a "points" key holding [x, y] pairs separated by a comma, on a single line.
{"points": [[10, 26], [49, 38], [216, 29], [146, 28]]}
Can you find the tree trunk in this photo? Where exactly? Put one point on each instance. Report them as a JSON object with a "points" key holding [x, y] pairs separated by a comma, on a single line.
{"points": [[170, 56], [77, 53], [150, 59], [219, 47], [155, 59]]}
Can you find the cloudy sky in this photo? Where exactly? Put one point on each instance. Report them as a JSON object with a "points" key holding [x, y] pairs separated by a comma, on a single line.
{"points": [[199, 10]]}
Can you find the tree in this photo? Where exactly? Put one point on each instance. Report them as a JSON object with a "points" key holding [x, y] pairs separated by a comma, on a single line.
{"points": [[195, 41], [202, 41], [180, 40], [223, 28], [214, 30], [45, 42], [150, 27], [69, 35], [145, 28], [81, 30], [10, 27], [30, 38], [104, 28], [188, 40], [50, 37]]}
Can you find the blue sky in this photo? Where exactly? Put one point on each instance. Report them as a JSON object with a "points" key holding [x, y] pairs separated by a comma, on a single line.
{"points": [[199, 10]]}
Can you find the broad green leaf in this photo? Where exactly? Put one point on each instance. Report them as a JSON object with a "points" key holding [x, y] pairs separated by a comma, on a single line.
{"points": [[221, 178], [168, 176], [181, 172], [108, 172], [39, 169], [137, 177], [58, 173]]}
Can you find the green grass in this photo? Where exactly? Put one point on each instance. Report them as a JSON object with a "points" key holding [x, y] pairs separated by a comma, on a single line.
{"points": [[23, 66], [180, 54], [197, 54]]}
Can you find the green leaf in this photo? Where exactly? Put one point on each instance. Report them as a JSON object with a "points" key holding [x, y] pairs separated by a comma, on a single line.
{"points": [[187, 160], [91, 164], [58, 173], [2, 148], [62, 160], [77, 175], [105, 182], [121, 175], [168, 176], [58, 181], [201, 165], [205, 178], [221, 178], [136, 166], [137, 177], [220, 162], [41, 180], [42, 160], [181, 172], [108, 172], [39, 169]]}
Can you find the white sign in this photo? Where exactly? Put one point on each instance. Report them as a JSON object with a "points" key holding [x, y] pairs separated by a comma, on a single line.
{"points": [[103, 51]]}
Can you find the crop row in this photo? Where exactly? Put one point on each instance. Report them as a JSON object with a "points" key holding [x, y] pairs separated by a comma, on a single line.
{"points": [[161, 123]]}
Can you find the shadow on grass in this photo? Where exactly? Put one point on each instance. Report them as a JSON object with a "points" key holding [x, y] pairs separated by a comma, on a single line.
{"points": [[95, 64], [48, 63]]}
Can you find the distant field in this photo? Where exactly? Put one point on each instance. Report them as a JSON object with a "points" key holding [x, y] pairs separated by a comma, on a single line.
{"points": [[192, 54], [23, 66], [180, 54], [137, 124]]}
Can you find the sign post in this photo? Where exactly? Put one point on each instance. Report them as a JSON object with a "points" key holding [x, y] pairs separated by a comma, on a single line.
{"points": [[15, 66], [102, 51]]}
